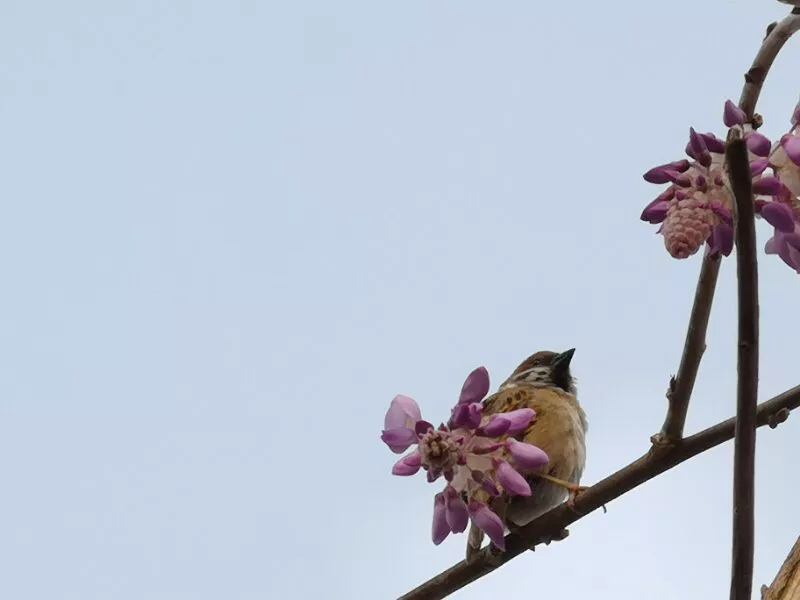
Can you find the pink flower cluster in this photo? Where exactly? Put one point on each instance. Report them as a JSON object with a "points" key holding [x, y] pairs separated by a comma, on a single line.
{"points": [[477, 456], [697, 207]]}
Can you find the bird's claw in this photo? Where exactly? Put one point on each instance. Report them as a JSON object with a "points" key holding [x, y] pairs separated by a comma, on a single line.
{"points": [[494, 556], [573, 493]]}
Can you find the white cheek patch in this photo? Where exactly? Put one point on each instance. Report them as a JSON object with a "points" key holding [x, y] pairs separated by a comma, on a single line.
{"points": [[538, 374]]}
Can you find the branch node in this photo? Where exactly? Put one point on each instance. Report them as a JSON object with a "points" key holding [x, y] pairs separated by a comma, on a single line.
{"points": [[662, 444], [770, 27], [778, 417]]}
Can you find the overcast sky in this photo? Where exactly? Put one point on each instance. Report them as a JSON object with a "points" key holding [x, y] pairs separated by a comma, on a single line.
{"points": [[232, 231]]}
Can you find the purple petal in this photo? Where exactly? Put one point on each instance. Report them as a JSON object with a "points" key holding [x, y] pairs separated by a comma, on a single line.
{"points": [[440, 529], [656, 175], [713, 143], [791, 145], [722, 212], [792, 259], [699, 148], [680, 179], [527, 456], [490, 487], [496, 427], [758, 143], [422, 427], [475, 387], [456, 511], [474, 416], [433, 475], [732, 115], [792, 239], [796, 114], [460, 414], [655, 212], [721, 240], [681, 165], [667, 194], [399, 440], [757, 167], [773, 244], [779, 215], [701, 183], [520, 419], [484, 447], [768, 186], [408, 465], [488, 522], [402, 410], [511, 480], [787, 246]]}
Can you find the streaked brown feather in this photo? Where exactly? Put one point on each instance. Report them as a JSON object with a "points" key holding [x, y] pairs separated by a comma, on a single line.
{"points": [[559, 429]]}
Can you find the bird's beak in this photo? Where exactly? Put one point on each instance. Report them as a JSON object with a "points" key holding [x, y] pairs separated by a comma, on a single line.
{"points": [[561, 362]]}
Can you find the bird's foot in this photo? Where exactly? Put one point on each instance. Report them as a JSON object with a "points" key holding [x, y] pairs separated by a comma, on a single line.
{"points": [[473, 554], [494, 556], [573, 493], [572, 488]]}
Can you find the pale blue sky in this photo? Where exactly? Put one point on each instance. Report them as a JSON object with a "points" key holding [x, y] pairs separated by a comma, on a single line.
{"points": [[232, 231]]}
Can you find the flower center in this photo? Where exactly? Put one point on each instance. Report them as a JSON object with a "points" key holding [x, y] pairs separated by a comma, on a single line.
{"points": [[439, 450]]}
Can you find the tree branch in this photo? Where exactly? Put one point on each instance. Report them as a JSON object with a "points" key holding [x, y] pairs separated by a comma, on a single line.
{"points": [[786, 585], [744, 462], [776, 37], [681, 386], [647, 467]]}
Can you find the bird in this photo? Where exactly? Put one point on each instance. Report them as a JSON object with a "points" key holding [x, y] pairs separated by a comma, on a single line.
{"points": [[543, 382]]}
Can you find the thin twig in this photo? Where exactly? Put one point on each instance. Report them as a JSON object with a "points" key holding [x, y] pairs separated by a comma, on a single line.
{"points": [[755, 76], [549, 524], [681, 386], [744, 452]]}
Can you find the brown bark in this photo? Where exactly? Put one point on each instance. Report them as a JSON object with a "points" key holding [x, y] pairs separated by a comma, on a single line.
{"points": [[786, 585]]}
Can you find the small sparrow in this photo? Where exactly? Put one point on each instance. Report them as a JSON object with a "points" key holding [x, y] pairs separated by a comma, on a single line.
{"points": [[544, 383]]}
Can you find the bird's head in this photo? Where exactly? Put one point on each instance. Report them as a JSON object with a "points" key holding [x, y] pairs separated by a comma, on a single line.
{"points": [[546, 369]]}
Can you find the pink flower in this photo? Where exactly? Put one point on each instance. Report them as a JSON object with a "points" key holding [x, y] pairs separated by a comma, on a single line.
{"points": [[473, 453], [697, 207], [456, 513], [511, 479], [787, 246], [399, 424], [785, 160], [488, 522], [475, 387], [408, 465], [527, 456], [439, 529]]}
